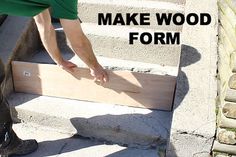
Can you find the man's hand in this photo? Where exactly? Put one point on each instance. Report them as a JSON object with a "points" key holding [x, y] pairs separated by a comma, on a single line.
{"points": [[99, 74], [66, 65]]}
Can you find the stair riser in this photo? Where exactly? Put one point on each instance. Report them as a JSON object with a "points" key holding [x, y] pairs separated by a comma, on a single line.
{"points": [[89, 13], [120, 49]]}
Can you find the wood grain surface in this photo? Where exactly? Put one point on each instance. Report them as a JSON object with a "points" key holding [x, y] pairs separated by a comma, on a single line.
{"points": [[124, 88]]}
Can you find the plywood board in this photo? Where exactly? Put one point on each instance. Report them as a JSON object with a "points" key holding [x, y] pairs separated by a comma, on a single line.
{"points": [[124, 87]]}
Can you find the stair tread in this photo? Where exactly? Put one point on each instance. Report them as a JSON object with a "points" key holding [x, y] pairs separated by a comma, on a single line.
{"points": [[104, 118]]}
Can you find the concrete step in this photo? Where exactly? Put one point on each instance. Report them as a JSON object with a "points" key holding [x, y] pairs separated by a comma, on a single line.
{"points": [[132, 127], [53, 144], [113, 42], [89, 9]]}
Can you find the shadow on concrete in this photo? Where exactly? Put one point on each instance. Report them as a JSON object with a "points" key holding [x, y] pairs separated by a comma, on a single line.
{"points": [[73, 144], [189, 55]]}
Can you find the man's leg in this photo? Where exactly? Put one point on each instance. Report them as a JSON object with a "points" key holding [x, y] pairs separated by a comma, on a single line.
{"points": [[5, 117], [10, 144]]}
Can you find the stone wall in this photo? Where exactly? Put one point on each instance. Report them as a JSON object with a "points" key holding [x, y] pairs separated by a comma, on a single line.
{"points": [[225, 144]]}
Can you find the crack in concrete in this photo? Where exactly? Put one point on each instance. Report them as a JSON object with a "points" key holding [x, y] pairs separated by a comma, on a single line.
{"points": [[193, 134]]}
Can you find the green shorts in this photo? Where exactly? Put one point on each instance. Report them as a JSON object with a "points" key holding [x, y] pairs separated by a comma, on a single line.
{"points": [[65, 9]]}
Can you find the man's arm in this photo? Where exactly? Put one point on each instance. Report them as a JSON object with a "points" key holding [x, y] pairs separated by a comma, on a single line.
{"points": [[48, 38], [80, 44], [83, 48]]}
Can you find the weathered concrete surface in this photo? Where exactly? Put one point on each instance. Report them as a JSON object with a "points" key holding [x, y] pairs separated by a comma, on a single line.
{"points": [[113, 42], [54, 144], [187, 145], [120, 124], [88, 11], [196, 86]]}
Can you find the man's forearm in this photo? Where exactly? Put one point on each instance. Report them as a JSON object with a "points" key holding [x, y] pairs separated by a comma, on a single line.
{"points": [[48, 37], [86, 54], [79, 42]]}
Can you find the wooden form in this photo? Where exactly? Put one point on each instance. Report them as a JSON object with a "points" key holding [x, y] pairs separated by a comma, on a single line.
{"points": [[124, 88]]}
